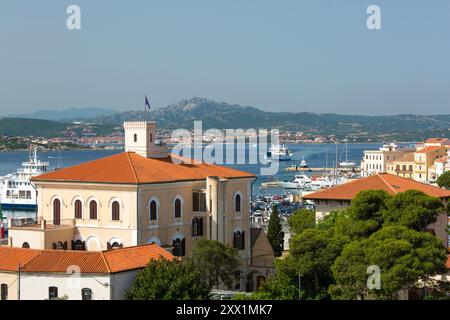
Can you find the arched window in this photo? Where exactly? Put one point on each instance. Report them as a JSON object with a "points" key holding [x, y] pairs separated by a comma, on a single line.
{"points": [[79, 245], [116, 245], [135, 137], [26, 245], [153, 210], [60, 245], [115, 208], [177, 208], [56, 212], [93, 210], [4, 291], [52, 292], [154, 240], [86, 294], [237, 203], [239, 240], [179, 247], [78, 208]]}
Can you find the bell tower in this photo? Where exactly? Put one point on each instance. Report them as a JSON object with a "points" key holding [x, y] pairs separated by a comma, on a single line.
{"points": [[140, 137]]}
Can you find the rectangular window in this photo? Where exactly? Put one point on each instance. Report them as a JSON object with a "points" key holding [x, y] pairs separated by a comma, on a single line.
{"points": [[4, 291], [198, 202], [86, 294], [52, 292]]}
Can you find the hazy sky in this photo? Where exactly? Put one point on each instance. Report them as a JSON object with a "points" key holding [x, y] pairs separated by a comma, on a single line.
{"points": [[299, 55]]}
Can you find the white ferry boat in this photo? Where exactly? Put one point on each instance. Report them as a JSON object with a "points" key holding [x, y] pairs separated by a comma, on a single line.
{"points": [[280, 152], [299, 182], [16, 191]]}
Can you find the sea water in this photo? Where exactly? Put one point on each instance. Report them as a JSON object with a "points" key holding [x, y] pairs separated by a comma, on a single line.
{"points": [[316, 155]]}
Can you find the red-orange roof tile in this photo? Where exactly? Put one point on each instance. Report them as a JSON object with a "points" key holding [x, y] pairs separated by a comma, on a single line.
{"points": [[131, 168], [134, 257], [59, 261], [11, 257], [392, 184], [447, 263], [430, 149], [436, 140]]}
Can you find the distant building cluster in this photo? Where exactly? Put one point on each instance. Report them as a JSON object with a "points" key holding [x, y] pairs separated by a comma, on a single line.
{"points": [[425, 162]]}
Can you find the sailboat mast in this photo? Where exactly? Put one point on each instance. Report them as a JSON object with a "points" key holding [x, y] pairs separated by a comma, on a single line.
{"points": [[336, 165], [346, 149]]}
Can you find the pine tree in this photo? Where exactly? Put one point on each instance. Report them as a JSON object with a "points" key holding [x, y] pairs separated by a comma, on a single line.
{"points": [[275, 233]]}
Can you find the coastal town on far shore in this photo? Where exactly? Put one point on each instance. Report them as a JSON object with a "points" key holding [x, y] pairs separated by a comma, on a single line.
{"points": [[81, 135], [139, 203], [223, 159]]}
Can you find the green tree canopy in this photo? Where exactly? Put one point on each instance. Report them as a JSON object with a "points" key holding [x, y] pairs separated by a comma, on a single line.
{"points": [[169, 280], [315, 251], [275, 233], [403, 255], [444, 180], [412, 209], [215, 261], [301, 220], [364, 215], [375, 230], [368, 205]]}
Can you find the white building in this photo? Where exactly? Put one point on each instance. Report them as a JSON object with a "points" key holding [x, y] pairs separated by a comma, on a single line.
{"points": [[376, 161], [442, 164], [75, 275]]}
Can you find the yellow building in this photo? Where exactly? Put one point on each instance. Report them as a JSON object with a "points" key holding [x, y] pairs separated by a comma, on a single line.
{"points": [[424, 158], [403, 167], [139, 197]]}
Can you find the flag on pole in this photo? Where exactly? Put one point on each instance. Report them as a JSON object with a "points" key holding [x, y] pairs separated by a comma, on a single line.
{"points": [[147, 104]]}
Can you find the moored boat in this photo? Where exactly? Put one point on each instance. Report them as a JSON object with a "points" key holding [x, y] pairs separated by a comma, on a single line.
{"points": [[279, 152], [16, 192]]}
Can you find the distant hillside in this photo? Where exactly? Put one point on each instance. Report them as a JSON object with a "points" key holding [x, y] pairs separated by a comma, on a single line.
{"points": [[30, 127], [67, 114], [223, 115]]}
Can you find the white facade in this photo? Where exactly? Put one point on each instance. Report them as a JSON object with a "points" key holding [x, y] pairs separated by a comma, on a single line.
{"points": [[442, 166], [35, 286], [376, 161], [140, 137]]}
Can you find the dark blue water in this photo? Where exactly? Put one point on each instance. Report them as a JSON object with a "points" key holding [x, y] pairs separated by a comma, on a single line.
{"points": [[315, 155]]}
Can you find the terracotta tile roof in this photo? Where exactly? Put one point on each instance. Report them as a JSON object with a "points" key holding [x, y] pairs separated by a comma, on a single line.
{"points": [[392, 184], [58, 261], [447, 263], [436, 140], [131, 168], [134, 257], [429, 149], [11, 257]]}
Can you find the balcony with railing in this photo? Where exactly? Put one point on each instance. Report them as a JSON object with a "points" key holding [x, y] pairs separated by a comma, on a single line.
{"points": [[39, 224], [40, 233]]}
